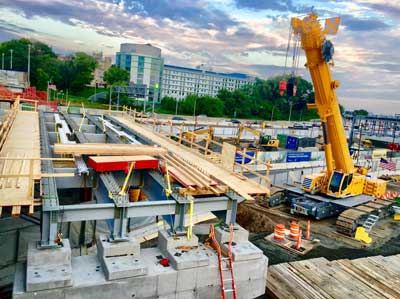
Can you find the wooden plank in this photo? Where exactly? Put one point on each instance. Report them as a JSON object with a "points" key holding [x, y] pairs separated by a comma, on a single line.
{"points": [[228, 156], [288, 284], [244, 188], [107, 149], [23, 139], [374, 282]]}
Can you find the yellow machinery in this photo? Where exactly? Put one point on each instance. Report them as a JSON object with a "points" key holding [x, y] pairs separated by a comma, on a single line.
{"points": [[341, 178], [192, 135], [271, 144]]}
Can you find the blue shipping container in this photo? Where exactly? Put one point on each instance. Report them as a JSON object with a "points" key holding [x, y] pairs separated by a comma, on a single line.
{"points": [[292, 143], [298, 156], [238, 157]]}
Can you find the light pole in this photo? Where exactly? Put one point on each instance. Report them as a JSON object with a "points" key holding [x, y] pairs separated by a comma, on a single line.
{"points": [[2, 61], [11, 51], [272, 112], [29, 65], [290, 111], [95, 92], [176, 107]]}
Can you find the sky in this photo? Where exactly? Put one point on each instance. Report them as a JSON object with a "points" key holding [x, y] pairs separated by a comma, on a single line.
{"points": [[247, 36]]}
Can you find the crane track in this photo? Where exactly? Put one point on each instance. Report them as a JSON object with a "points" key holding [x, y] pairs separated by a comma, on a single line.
{"points": [[348, 221]]}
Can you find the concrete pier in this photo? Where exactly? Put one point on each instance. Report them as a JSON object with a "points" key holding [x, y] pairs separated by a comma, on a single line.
{"points": [[120, 270]]}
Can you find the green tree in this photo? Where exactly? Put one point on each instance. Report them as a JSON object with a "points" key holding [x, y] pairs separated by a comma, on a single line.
{"points": [[44, 62], [361, 112], [115, 74]]}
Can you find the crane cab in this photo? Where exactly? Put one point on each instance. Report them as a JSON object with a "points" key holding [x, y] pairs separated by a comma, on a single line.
{"points": [[345, 184]]}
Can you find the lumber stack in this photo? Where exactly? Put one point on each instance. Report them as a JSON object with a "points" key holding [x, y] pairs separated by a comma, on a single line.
{"points": [[108, 149], [369, 277]]}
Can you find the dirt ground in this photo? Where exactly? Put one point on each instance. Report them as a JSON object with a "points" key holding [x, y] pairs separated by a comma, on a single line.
{"points": [[385, 235]]}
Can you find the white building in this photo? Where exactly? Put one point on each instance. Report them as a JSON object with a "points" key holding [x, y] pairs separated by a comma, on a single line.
{"points": [[145, 64], [179, 82]]}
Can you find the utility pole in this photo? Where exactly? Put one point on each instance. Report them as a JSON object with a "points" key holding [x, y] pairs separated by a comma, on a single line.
{"points": [[176, 107], [272, 112], [11, 51], [2, 61], [110, 97], [290, 111], [29, 65]]}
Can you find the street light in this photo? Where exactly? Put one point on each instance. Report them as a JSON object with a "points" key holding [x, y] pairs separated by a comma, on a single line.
{"points": [[29, 64], [11, 51], [2, 61]]}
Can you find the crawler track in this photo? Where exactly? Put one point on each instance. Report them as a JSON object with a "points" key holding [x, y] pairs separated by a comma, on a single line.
{"points": [[348, 220]]}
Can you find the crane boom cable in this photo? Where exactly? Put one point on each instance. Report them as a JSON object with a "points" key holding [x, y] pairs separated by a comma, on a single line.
{"points": [[287, 48]]}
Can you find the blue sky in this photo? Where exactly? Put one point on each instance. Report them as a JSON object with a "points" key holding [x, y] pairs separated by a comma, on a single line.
{"points": [[247, 36]]}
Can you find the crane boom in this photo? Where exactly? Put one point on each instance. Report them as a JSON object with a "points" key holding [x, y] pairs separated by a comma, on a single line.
{"points": [[312, 40]]}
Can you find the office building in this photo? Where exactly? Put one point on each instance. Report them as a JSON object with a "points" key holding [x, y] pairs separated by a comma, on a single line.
{"points": [[145, 65], [179, 82]]}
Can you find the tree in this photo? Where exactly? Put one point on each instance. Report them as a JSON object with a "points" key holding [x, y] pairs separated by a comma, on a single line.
{"points": [[360, 112], [115, 74], [44, 62]]}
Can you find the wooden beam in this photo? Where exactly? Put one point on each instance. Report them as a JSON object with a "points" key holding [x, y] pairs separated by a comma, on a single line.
{"points": [[108, 149]]}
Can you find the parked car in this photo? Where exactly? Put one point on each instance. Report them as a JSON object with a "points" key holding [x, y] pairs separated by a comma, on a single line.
{"points": [[235, 121], [202, 115], [178, 118]]}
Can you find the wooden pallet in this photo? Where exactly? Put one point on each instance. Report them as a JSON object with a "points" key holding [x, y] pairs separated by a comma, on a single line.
{"points": [[306, 245]]}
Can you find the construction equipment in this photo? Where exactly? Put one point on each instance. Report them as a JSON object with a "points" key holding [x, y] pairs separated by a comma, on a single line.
{"points": [[342, 185], [264, 141], [193, 135]]}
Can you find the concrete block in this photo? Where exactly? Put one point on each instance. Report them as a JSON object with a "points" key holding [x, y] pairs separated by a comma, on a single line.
{"points": [[187, 295], [57, 256], [19, 291], [48, 268], [111, 249], [187, 278], [242, 251], [48, 277], [166, 241], [251, 269], [87, 270], [209, 292], [99, 291], [142, 287], [194, 258], [251, 289], [123, 267], [166, 283], [239, 234]]}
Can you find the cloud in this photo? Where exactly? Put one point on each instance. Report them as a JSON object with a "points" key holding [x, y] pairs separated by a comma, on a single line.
{"points": [[363, 24], [248, 36]]}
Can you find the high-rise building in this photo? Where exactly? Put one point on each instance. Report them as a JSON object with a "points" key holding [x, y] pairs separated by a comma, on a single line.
{"points": [[145, 65], [179, 82]]}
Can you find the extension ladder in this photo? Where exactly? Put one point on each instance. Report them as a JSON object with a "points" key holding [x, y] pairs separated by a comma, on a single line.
{"points": [[225, 273]]}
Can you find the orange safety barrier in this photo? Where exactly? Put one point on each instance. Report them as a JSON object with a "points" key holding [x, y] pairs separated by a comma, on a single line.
{"points": [[294, 230], [308, 230], [298, 243], [279, 233]]}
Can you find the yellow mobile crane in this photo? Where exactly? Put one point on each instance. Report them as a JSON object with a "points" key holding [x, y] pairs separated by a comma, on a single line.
{"points": [[341, 178], [342, 185]]}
